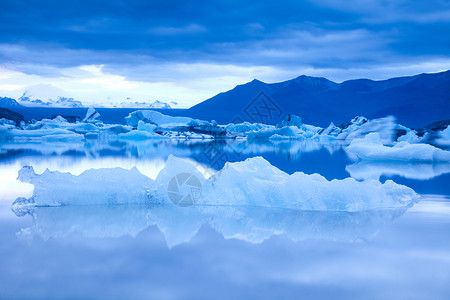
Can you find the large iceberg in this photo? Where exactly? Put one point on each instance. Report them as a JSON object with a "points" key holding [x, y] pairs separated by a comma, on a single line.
{"points": [[166, 123], [361, 126], [161, 120], [371, 148], [253, 182]]}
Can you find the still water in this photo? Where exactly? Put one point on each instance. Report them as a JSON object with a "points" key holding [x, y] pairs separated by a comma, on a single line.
{"points": [[213, 252]]}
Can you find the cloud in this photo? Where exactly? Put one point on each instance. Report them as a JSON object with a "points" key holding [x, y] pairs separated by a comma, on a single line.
{"points": [[178, 45], [188, 29]]}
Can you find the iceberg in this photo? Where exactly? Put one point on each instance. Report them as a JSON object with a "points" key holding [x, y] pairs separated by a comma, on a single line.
{"points": [[161, 120], [371, 148], [183, 125], [92, 116], [245, 127], [360, 127], [411, 137], [253, 182], [444, 137], [43, 135], [291, 120], [365, 170]]}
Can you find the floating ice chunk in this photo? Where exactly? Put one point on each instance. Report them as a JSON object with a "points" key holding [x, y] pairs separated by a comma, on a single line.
{"points": [[114, 128], [8, 123], [161, 120], [410, 137], [372, 148], [444, 137], [57, 122], [138, 135], [331, 130], [292, 132], [446, 133], [291, 120], [185, 126], [92, 116], [246, 127], [45, 134], [287, 132], [364, 170], [360, 127], [95, 186], [253, 182], [142, 126]]}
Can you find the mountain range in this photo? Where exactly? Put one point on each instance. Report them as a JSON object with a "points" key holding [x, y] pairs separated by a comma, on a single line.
{"points": [[63, 102], [415, 100]]}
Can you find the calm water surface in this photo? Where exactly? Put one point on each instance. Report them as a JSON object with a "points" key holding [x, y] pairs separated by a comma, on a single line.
{"points": [[170, 252]]}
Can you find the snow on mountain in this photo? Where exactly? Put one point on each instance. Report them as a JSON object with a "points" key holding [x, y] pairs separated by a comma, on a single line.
{"points": [[137, 104], [27, 100], [8, 102]]}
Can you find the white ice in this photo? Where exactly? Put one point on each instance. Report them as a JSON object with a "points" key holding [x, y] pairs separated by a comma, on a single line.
{"points": [[364, 170], [371, 148], [253, 182], [161, 120], [444, 137]]}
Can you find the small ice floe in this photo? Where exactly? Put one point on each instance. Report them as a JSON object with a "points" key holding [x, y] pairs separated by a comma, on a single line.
{"points": [[371, 148]]}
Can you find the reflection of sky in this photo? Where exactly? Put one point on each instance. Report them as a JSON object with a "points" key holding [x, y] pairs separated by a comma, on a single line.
{"points": [[407, 259]]}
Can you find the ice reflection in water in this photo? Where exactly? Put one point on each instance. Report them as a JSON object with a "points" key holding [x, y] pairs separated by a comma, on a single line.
{"points": [[181, 224]]}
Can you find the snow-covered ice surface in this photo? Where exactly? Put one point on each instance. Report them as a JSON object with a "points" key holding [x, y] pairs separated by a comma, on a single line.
{"points": [[364, 170], [253, 182], [444, 137], [371, 148]]}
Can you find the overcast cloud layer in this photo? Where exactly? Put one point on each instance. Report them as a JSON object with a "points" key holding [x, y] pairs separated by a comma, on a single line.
{"points": [[187, 51]]}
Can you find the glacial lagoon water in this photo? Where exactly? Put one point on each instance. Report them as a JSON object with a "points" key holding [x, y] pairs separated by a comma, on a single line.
{"points": [[212, 252]]}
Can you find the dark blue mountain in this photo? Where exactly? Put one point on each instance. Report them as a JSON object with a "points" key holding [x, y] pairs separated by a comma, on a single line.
{"points": [[7, 102], [415, 100]]}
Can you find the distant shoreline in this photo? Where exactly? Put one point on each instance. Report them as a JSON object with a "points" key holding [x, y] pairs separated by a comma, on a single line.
{"points": [[108, 115]]}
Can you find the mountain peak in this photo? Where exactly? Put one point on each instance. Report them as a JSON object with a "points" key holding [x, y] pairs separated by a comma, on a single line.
{"points": [[319, 100], [315, 81]]}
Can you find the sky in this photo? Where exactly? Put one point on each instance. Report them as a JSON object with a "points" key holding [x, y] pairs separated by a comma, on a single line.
{"points": [[102, 52]]}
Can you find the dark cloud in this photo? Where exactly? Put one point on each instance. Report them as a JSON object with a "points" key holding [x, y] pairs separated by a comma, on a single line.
{"points": [[322, 34]]}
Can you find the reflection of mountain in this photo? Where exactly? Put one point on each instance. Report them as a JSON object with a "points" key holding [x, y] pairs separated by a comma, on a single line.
{"points": [[180, 224], [203, 151], [374, 170]]}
